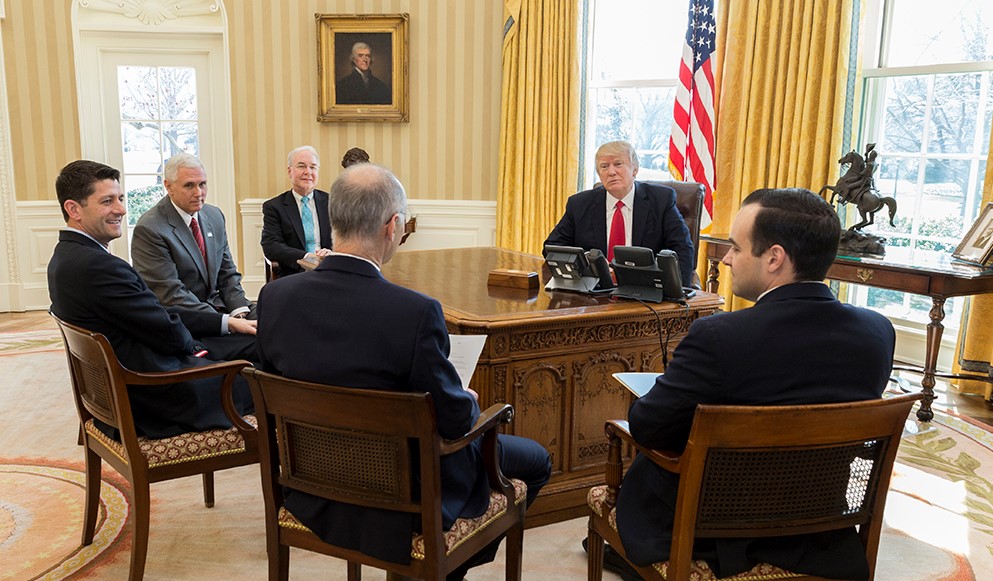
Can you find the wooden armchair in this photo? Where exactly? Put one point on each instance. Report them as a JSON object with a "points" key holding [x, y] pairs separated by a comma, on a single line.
{"points": [[753, 471], [358, 446], [100, 390]]}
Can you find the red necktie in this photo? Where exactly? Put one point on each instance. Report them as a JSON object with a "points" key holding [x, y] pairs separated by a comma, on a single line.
{"points": [[199, 238], [616, 230]]}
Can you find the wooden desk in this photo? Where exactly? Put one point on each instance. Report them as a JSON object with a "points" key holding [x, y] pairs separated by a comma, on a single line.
{"points": [[938, 278], [550, 355]]}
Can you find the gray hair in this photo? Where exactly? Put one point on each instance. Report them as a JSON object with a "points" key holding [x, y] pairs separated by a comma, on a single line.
{"points": [[178, 161], [308, 148], [363, 199], [359, 45], [618, 148]]}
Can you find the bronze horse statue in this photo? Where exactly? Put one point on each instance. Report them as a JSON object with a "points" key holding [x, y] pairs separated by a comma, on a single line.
{"points": [[856, 186]]}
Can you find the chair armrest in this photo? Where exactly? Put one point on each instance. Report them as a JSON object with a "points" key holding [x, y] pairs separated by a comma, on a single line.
{"points": [[188, 374], [618, 431], [229, 369], [491, 417], [666, 459], [487, 425]]}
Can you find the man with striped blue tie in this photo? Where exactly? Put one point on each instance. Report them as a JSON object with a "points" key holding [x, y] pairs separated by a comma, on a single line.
{"points": [[295, 223]]}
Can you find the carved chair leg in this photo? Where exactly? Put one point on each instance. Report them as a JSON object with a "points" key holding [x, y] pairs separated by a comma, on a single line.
{"points": [[208, 489], [515, 547], [140, 516], [594, 549], [91, 504], [354, 571], [279, 559]]}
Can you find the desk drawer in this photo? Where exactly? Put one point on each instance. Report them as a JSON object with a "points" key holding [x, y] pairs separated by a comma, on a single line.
{"points": [[880, 278]]}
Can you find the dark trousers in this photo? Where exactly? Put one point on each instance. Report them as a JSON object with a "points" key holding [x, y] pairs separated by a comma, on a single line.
{"points": [[520, 458]]}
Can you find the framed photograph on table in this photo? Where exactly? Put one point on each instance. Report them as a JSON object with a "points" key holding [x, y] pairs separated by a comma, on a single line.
{"points": [[977, 246], [362, 67]]}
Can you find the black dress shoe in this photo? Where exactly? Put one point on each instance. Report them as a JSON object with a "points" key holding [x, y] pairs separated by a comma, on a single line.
{"points": [[616, 563]]}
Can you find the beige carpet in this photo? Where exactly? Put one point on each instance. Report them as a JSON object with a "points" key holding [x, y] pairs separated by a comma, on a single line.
{"points": [[939, 514]]}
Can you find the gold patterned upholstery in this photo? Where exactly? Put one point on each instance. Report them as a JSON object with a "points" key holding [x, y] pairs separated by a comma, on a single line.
{"points": [[185, 447], [699, 570], [100, 387], [333, 443], [762, 471], [462, 530]]}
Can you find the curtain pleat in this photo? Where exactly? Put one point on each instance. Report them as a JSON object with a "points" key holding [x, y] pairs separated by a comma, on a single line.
{"points": [[783, 66], [539, 120], [975, 342]]}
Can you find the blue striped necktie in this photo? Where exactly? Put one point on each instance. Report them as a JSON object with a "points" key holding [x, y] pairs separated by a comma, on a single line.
{"points": [[310, 242]]}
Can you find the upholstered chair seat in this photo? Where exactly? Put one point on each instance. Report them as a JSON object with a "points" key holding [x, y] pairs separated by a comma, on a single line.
{"points": [[462, 530]]}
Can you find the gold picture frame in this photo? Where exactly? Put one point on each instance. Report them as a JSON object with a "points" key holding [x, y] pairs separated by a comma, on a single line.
{"points": [[362, 66], [977, 246]]}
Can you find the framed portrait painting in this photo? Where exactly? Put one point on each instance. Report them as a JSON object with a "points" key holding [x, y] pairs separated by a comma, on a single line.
{"points": [[977, 246], [362, 67]]}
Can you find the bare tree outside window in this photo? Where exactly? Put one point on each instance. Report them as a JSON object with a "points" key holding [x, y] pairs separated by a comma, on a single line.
{"points": [[928, 106], [159, 119]]}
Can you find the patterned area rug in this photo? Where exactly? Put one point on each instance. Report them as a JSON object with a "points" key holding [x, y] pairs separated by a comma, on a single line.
{"points": [[41, 540], [939, 513]]}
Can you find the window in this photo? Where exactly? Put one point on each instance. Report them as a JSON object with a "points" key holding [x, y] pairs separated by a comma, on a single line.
{"points": [[927, 106], [158, 116], [632, 66]]}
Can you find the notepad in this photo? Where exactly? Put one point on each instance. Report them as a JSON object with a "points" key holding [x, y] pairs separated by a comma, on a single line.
{"points": [[638, 383]]}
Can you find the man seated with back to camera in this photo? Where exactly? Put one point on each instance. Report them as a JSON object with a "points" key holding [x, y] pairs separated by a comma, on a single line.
{"points": [[623, 212], [100, 292], [344, 324], [797, 345]]}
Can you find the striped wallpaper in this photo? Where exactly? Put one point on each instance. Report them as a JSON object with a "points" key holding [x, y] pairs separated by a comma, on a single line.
{"points": [[448, 150], [41, 91]]}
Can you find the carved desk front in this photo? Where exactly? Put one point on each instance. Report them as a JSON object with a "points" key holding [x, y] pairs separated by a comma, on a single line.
{"points": [[550, 355]]}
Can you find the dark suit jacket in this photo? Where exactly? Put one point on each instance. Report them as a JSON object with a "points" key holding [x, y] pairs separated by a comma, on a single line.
{"points": [[282, 229], [352, 90], [797, 345], [96, 290], [308, 330], [656, 224], [166, 255]]}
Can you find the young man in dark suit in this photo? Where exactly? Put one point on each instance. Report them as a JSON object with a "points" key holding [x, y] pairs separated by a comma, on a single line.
{"points": [[286, 238], [797, 345], [344, 324], [100, 292], [624, 212]]}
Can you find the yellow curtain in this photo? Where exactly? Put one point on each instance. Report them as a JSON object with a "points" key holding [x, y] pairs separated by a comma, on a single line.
{"points": [[975, 342], [539, 120], [781, 79]]}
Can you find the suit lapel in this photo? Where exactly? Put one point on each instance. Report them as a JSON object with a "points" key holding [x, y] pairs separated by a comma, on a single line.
{"points": [[323, 219], [292, 212], [598, 215], [213, 248], [639, 216], [185, 235]]}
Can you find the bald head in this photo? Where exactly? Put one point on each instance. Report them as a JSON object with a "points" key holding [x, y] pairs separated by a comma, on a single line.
{"points": [[362, 199]]}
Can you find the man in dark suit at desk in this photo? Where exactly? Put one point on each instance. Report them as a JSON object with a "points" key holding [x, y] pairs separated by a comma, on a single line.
{"points": [[344, 324], [797, 345], [180, 245], [295, 223], [623, 212], [94, 289]]}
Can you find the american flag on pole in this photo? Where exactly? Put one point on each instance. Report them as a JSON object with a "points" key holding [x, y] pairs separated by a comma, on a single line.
{"points": [[691, 145]]}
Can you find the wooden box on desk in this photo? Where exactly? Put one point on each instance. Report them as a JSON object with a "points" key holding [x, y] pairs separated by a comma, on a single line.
{"points": [[510, 278]]}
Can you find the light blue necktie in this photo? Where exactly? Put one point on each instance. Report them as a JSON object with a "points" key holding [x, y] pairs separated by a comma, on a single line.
{"points": [[308, 224]]}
